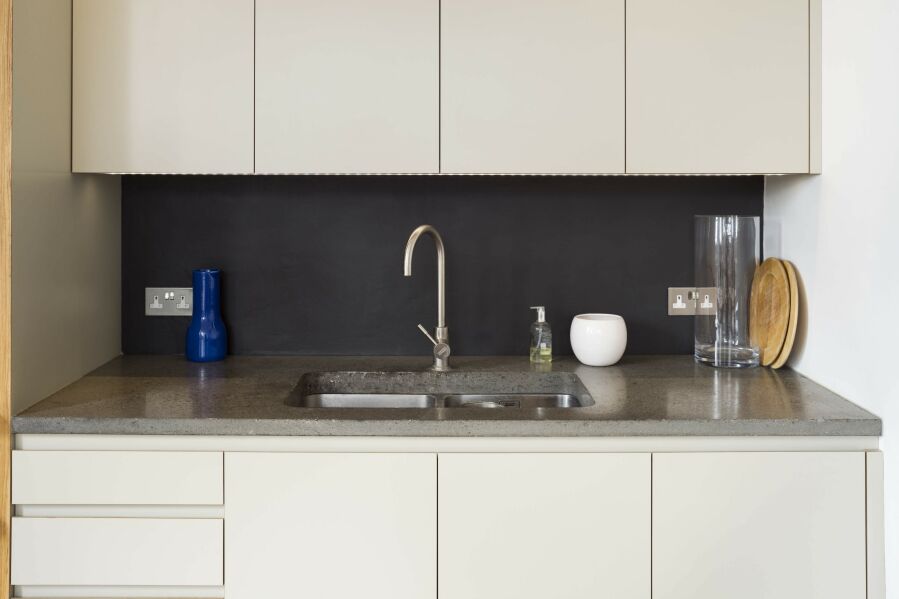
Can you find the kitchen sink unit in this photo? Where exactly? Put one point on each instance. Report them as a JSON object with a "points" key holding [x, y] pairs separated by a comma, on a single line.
{"points": [[581, 481], [268, 274]]}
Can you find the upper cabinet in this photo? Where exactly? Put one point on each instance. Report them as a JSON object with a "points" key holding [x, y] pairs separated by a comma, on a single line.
{"points": [[162, 86], [347, 86], [446, 86], [718, 86], [532, 86]]}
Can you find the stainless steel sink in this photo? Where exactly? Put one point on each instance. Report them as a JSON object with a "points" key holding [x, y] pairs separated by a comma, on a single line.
{"points": [[429, 389], [514, 400], [399, 400], [368, 400]]}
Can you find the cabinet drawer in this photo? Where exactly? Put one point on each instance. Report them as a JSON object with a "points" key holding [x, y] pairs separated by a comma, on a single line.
{"points": [[116, 478], [116, 551]]}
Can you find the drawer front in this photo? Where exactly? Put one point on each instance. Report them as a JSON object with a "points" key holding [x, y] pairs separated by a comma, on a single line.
{"points": [[117, 551], [117, 478]]}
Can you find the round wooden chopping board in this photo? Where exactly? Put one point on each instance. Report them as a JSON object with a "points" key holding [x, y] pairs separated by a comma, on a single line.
{"points": [[794, 316], [769, 309]]}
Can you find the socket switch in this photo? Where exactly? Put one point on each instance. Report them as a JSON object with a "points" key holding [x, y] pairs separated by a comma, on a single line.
{"points": [[169, 301]]}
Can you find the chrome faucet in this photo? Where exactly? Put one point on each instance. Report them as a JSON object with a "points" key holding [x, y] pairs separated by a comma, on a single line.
{"points": [[441, 343]]}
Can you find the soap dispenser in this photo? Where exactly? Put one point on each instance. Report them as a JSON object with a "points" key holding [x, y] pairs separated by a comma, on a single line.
{"points": [[541, 338]]}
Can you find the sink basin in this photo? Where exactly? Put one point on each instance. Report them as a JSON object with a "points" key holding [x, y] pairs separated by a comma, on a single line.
{"points": [[368, 400], [514, 400], [454, 389], [399, 400]]}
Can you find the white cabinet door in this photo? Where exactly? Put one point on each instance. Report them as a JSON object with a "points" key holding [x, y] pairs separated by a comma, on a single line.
{"points": [[532, 526], [330, 526], [347, 86], [116, 478], [116, 551], [532, 86], [752, 525], [162, 86], [718, 86]]}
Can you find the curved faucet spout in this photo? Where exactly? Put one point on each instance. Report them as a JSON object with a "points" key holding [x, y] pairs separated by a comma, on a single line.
{"points": [[442, 334]]}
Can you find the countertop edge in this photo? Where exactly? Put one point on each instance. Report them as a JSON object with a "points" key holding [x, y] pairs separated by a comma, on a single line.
{"points": [[474, 428]]}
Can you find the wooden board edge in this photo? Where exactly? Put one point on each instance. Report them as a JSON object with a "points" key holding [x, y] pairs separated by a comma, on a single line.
{"points": [[874, 523], [5, 285], [793, 323]]}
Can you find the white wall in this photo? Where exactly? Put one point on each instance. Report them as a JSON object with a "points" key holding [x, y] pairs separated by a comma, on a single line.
{"points": [[66, 229], [840, 229]]}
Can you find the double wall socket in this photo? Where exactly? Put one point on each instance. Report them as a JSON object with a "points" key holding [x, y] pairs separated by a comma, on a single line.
{"points": [[169, 301], [692, 301]]}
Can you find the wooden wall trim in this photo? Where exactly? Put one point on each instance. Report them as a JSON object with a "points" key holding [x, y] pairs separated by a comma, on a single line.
{"points": [[5, 283]]}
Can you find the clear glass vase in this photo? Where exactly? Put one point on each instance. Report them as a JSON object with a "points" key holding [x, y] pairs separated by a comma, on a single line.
{"points": [[727, 252]]}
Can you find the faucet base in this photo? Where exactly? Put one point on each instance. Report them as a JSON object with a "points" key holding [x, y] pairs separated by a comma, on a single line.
{"points": [[441, 354]]}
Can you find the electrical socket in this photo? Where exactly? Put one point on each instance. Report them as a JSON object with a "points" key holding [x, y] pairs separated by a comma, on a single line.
{"points": [[680, 301], [706, 299], [168, 301], [692, 301]]}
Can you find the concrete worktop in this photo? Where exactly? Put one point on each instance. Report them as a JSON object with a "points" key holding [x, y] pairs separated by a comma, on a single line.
{"points": [[641, 396]]}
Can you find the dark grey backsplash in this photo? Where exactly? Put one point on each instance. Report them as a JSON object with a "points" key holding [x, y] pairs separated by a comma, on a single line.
{"points": [[313, 265]]}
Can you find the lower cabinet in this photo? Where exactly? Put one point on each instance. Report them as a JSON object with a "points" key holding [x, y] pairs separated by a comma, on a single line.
{"points": [[532, 526], [740, 525], [373, 525], [331, 526], [752, 525], [116, 552], [115, 519]]}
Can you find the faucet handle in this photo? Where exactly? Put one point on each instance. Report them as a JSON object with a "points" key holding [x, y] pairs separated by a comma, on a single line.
{"points": [[427, 334], [441, 349]]}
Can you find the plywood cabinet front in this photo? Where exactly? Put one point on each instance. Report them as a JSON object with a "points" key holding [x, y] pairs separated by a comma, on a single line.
{"points": [[718, 86], [532, 86], [532, 526], [331, 526], [751, 525], [162, 86], [347, 86]]}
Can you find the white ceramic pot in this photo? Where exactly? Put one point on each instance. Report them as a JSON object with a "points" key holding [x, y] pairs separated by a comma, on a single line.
{"points": [[598, 339]]}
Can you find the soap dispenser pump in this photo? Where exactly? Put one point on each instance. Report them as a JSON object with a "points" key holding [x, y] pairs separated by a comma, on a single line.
{"points": [[541, 338]]}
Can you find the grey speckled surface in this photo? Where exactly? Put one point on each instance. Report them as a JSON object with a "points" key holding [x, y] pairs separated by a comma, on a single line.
{"points": [[643, 395]]}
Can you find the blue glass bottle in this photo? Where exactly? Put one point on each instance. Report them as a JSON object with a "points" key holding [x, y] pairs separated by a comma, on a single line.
{"points": [[207, 339]]}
